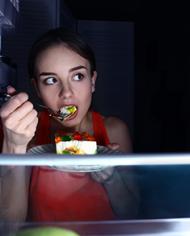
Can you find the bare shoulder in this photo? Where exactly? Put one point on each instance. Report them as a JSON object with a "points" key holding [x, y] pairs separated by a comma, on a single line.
{"points": [[114, 123], [118, 132]]}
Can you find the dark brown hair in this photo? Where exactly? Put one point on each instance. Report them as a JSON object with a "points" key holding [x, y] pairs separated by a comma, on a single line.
{"points": [[60, 36]]}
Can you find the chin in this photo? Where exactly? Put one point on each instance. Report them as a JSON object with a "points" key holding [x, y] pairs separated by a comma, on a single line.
{"points": [[70, 123]]}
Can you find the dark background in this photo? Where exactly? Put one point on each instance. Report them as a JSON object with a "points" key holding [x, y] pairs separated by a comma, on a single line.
{"points": [[159, 92], [161, 110]]}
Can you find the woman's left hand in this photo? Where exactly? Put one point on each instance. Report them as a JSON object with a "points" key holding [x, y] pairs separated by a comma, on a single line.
{"points": [[113, 146], [106, 174], [103, 175]]}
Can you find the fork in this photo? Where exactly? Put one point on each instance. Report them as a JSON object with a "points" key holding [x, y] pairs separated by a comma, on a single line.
{"points": [[4, 97], [58, 115]]}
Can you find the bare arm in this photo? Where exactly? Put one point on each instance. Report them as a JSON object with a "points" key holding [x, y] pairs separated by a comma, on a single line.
{"points": [[122, 186], [14, 184], [19, 121], [118, 133]]}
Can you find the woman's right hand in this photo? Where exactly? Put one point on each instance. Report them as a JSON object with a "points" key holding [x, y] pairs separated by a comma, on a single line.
{"points": [[19, 121]]}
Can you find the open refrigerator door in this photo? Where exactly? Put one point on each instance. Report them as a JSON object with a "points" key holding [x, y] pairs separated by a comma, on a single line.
{"points": [[9, 10]]}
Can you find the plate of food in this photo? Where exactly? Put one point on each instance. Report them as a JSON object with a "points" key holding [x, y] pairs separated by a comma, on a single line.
{"points": [[75, 144], [51, 149]]}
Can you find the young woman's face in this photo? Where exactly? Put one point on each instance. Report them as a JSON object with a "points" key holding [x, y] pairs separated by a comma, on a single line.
{"points": [[64, 78]]}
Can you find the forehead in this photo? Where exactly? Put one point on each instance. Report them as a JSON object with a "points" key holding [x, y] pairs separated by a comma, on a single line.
{"points": [[60, 55]]}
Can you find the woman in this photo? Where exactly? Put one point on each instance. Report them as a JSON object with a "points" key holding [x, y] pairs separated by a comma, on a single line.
{"points": [[63, 70]]}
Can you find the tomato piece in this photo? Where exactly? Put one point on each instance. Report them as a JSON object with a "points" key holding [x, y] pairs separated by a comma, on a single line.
{"points": [[58, 139], [77, 136]]}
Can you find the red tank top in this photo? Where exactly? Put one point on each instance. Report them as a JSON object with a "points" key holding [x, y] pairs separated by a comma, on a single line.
{"points": [[62, 196]]}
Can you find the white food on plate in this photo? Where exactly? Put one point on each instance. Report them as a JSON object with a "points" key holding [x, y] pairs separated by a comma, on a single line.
{"points": [[76, 147]]}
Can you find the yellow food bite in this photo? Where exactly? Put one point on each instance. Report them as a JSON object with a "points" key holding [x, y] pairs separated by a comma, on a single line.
{"points": [[67, 111]]}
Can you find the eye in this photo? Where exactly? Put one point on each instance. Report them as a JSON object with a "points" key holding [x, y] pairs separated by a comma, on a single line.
{"points": [[78, 77], [50, 80]]}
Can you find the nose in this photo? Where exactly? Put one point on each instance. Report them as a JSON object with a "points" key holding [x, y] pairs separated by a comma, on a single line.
{"points": [[65, 91]]}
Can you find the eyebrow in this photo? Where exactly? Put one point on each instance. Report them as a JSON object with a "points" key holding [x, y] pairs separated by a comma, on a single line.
{"points": [[70, 70], [46, 73], [77, 68]]}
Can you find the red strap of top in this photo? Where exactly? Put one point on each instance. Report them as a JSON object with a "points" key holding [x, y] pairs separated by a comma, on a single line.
{"points": [[100, 132], [43, 130]]}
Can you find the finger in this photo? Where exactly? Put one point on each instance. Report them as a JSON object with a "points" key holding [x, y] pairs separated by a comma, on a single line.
{"points": [[113, 146], [99, 176], [27, 120], [96, 177], [78, 175], [10, 90], [105, 175], [21, 112], [31, 128], [14, 103], [108, 171]]}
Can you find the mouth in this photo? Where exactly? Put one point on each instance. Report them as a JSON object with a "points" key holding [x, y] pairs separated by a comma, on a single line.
{"points": [[67, 112]]}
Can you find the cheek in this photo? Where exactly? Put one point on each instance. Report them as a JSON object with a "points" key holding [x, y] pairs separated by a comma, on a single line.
{"points": [[84, 96], [85, 92], [86, 100], [45, 96], [48, 91]]}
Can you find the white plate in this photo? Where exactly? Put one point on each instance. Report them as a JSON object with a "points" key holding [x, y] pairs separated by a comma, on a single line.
{"points": [[50, 148]]}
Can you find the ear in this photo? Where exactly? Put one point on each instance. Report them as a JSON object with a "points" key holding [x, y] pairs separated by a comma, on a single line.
{"points": [[94, 81], [34, 83]]}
